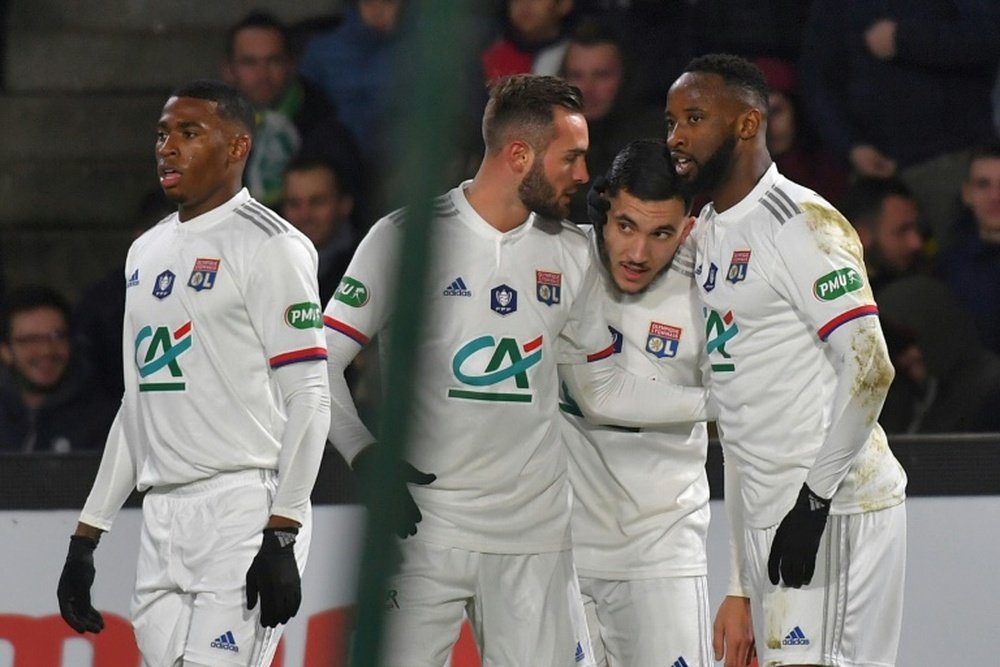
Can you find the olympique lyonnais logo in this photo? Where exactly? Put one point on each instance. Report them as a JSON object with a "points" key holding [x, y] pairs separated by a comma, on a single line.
{"points": [[203, 274], [505, 360], [548, 287], [663, 340], [738, 266]]}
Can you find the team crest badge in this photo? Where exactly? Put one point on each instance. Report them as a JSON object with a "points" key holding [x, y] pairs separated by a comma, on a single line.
{"points": [[616, 339], [164, 284], [663, 340], [503, 299], [709, 283], [548, 286], [203, 274], [738, 266]]}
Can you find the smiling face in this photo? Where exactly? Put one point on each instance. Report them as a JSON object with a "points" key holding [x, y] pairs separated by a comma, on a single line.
{"points": [[559, 169], [259, 67], [38, 348], [200, 156], [641, 238]]}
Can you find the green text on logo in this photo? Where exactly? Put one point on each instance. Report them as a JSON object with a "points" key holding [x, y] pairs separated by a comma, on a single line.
{"points": [[158, 349], [506, 362], [837, 283], [352, 292], [304, 316]]}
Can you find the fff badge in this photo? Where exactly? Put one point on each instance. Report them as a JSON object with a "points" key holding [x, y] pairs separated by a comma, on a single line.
{"points": [[503, 299], [616, 339], [738, 266], [709, 283], [663, 340], [548, 287], [203, 274], [164, 284]]}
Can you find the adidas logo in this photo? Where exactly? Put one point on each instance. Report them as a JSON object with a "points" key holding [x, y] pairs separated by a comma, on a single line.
{"points": [[284, 537], [680, 662], [795, 638], [457, 288], [226, 642], [133, 280], [580, 654]]}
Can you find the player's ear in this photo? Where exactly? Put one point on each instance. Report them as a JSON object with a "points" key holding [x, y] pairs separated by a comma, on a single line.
{"points": [[750, 123], [520, 156], [686, 229], [239, 147]]}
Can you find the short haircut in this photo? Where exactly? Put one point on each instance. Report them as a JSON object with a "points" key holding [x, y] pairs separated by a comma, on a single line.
{"points": [[591, 31], [987, 151], [862, 204], [340, 182], [30, 297], [736, 72], [521, 107], [644, 169], [261, 21], [231, 105]]}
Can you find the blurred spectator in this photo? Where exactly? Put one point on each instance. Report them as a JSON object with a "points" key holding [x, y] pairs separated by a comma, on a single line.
{"points": [[971, 265], [794, 146], [533, 40], [886, 217], [880, 80], [352, 64], [317, 201], [99, 314], [595, 62], [295, 117], [46, 402]]}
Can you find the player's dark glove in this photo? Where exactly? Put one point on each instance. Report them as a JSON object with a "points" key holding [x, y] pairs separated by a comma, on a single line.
{"points": [[409, 514], [597, 204], [74, 586], [793, 552], [274, 574]]}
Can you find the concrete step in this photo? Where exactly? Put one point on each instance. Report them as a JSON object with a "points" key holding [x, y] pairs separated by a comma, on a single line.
{"points": [[157, 15], [92, 127], [103, 193]]}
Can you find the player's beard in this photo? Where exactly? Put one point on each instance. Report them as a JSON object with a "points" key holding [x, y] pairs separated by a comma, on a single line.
{"points": [[715, 170], [538, 195]]}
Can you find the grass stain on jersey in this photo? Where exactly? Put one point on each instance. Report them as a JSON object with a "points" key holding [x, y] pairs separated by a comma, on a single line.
{"points": [[872, 383], [832, 229]]}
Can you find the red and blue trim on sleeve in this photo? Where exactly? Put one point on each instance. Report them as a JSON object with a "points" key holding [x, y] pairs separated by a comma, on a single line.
{"points": [[603, 354], [347, 330], [308, 354], [853, 314]]}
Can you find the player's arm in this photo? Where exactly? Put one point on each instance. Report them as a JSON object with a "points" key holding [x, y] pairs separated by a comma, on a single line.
{"points": [[732, 638]]}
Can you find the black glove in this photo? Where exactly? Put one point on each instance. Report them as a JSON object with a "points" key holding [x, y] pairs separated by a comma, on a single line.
{"points": [[74, 587], [597, 204], [796, 542], [275, 575], [409, 515]]}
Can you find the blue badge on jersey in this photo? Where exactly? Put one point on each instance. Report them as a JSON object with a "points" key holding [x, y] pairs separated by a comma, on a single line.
{"points": [[503, 299], [616, 339], [164, 284], [548, 287], [709, 283], [203, 274], [133, 280], [738, 266], [663, 340]]}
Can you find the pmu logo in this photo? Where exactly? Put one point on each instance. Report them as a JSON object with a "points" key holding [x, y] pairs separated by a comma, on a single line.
{"points": [[505, 360], [156, 354], [719, 330]]}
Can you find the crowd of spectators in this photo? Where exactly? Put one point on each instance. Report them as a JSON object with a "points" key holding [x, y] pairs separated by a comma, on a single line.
{"points": [[891, 112]]}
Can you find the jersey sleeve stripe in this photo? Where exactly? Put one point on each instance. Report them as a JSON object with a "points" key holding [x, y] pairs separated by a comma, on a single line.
{"points": [[776, 200], [262, 226], [773, 211], [308, 354], [269, 215], [603, 354], [346, 329], [861, 311], [784, 195]]}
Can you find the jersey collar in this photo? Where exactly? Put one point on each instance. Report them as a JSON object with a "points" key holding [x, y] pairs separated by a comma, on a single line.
{"points": [[748, 203], [220, 212], [478, 224]]}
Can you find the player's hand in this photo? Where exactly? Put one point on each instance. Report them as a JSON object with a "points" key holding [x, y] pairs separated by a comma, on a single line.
{"points": [[597, 204], [793, 552], [868, 161], [409, 514], [74, 587], [274, 575], [732, 636]]}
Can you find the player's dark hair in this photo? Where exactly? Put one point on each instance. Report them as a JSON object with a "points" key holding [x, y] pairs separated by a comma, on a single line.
{"points": [[308, 163], [737, 72], [231, 105], [521, 106], [259, 20], [30, 297], [987, 151], [862, 204], [644, 169]]}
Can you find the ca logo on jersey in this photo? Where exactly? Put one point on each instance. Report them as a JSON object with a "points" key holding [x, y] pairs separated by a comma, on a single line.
{"points": [[719, 330], [156, 354], [505, 359]]}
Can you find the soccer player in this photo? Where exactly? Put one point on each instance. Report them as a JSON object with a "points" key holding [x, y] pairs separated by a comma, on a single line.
{"points": [[799, 369], [640, 498], [225, 411], [506, 284]]}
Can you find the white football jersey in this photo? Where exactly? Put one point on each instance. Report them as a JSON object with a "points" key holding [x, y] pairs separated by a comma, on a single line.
{"points": [[484, 414], [640, 497], [213, 305], [777, 274]]}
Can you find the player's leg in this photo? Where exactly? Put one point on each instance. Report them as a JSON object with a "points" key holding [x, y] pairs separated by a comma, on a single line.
{"points": [[528, 611], [662, 621], [589, 590], [425, 604]]}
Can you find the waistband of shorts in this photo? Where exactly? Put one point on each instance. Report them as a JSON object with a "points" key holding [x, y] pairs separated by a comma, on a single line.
{"points": [[221, 480]]}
